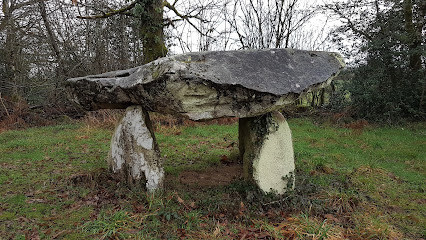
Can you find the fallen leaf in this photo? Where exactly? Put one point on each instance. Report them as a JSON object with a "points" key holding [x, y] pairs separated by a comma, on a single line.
{"points": [[231, 145], [244, 236], [23, 219], [35, 200], [181, 232], [48, 231], [60, 233], [33, 235], [281, 226], [180, 200], [138, 208], [132, 231], [263, 235], [242, 209], [225, 160], [327, 170], [331, 218]]}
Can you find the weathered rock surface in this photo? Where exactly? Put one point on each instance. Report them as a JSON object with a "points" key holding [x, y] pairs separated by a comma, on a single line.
{"points": [[267, 150], [210, 85], [250, 85], [134, 152]]}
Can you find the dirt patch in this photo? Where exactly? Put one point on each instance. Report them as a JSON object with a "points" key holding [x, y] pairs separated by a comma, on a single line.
{"points": [[214, 176]]}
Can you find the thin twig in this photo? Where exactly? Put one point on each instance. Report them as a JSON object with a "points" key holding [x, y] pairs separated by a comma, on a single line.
{"points": [[186, 17], [274, 202], [7, 112], [111, 13]]}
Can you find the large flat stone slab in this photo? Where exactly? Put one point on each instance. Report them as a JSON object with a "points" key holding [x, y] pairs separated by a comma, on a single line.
{"points": [[209, 85]]}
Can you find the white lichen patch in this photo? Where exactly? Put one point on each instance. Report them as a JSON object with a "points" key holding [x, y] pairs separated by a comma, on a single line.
{"points": [[116, 154], [194, 97], [275, 161], [133, 152], [154, 178], [153, 174]]}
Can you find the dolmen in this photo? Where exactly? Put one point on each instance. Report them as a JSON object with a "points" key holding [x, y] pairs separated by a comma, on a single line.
{"points": [[252, 85]]}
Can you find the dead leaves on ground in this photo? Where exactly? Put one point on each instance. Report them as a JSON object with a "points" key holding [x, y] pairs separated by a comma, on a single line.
{"points": [[186, 205]]}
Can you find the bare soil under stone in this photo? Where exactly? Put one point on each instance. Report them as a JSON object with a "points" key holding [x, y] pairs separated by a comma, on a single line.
{"points": [[214, 176]]}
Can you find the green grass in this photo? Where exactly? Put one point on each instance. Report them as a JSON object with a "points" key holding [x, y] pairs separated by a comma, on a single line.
{"points": [[366, 184], [195, 147]]}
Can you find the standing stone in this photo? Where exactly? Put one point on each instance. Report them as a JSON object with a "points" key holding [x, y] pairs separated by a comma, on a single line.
{"points": [[267, 151], [134, 152]]}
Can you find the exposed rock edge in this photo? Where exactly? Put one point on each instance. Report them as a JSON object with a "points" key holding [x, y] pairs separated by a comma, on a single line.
{"points": [[209, 85]]}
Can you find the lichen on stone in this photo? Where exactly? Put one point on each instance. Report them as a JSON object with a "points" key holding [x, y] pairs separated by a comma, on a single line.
{"points": [[134, 154]]}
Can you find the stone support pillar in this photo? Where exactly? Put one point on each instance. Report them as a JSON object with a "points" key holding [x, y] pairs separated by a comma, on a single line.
{"points": [[266, 149], [134, 151]]}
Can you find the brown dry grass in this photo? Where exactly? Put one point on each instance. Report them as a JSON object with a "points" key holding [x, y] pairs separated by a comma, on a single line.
{"points": [[16, 114], [357, 126], [104, 118]]}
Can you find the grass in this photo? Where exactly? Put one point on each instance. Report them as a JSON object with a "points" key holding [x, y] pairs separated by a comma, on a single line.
{"points": [[357, 184], [196, 148]]}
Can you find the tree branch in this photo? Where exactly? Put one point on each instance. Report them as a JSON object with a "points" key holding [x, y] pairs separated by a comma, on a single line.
{"points": [[350, 24], [111, 13], [185, 17]]}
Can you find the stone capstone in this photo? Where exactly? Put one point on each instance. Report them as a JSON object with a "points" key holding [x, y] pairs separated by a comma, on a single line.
{"points": [[251, 85], [266, 148], [210, 85], [134, 153]]}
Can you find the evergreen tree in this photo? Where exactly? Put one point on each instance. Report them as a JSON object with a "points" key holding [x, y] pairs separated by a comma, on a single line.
{"points": [[389, 80]]}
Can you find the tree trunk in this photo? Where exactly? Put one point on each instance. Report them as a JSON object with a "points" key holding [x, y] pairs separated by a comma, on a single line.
{"points": [[152, 31], [415, 39], [11, 51], [60, 70], [100, 49], [123, 53]]}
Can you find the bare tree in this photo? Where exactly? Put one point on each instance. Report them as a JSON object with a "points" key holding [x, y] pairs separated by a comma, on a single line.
{"points": [[149, 17], [267, 23], [16, 19], [42, 43]]}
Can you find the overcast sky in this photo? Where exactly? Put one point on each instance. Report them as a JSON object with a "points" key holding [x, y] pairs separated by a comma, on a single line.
{"points": [[318, 27]]}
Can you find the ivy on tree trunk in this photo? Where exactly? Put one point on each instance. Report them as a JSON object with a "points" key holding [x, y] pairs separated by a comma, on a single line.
{"points": [[150, 13]]}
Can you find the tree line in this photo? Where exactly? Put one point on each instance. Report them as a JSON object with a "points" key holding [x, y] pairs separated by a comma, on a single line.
{"points": [[44, 42], [386, 40]]}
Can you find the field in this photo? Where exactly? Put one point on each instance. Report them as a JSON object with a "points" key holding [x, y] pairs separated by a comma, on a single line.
{"points": [[364, 182]]}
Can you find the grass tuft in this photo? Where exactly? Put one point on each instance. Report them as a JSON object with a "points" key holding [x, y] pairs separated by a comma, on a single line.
{"points": [[109, 226]]}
